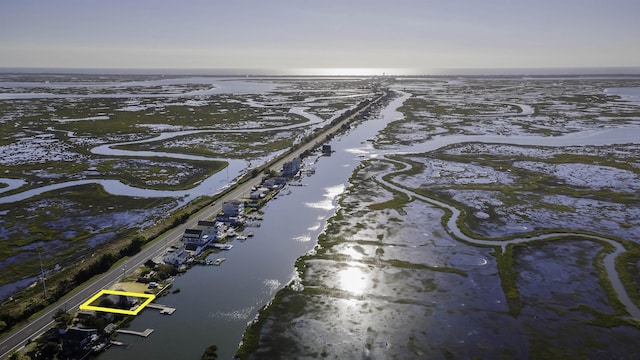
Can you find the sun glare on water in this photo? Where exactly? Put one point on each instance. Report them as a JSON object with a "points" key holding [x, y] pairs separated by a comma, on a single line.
{"points": [[352, 71], [353, 280]]}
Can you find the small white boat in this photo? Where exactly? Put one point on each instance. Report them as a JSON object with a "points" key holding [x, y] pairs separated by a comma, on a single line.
{"points": [[223, 246], [218, 261]]}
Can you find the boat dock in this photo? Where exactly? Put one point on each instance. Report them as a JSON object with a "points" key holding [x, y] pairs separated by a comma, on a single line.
{"points": [[145, 333], [164, 309], [222, 246]]}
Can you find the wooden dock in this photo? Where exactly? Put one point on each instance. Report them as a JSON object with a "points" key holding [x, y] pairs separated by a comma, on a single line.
{"points": [[164, 309], [145, 333]]}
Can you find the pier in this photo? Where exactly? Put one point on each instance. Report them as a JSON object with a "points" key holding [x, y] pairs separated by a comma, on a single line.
{"points": [[145, 333], [164, 309]]}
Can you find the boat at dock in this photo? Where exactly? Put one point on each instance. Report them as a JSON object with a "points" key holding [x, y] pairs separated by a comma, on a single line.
{"points": [[222, 246], [219, 261]]}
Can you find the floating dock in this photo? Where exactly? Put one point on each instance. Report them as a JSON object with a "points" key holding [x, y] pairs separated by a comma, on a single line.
{"points": [[145, 333]]}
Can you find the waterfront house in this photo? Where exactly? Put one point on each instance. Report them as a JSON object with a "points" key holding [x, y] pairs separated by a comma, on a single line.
{"points": [[207, 226], [87, 314], [176, 257], [231, 220], [122, 301], [274, 182], [233, 207], [76, 341], [194, 240], [291, 168], [231, 212], [215, 229], [259, 193]]}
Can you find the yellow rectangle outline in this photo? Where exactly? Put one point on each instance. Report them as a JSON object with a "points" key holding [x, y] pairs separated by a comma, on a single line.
{"points": [[86, 305]]}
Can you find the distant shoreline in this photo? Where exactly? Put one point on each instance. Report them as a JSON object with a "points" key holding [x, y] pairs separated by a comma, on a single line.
{"points": [[472, 72]]}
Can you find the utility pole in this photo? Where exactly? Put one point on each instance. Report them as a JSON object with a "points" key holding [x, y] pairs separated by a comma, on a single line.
{"points": [[44, 287]]}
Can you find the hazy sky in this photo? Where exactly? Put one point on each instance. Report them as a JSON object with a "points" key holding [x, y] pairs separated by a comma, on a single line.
{"points": [[412, 35]]}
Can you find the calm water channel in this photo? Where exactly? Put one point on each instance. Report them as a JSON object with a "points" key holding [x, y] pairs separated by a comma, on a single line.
{"points": [[216, 302]]}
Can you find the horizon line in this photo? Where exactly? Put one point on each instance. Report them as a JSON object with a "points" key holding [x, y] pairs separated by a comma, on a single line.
{"points": [[333, 72]]}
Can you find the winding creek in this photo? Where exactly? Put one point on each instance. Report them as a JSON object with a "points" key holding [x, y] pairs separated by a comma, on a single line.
{"points": [[454, 229]]}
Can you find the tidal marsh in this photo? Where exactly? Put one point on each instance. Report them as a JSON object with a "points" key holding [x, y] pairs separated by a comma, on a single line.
{"points": [[390, 279]]}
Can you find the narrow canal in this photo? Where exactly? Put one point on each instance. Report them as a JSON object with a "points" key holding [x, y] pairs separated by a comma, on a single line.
{"points": [[216, 302]]}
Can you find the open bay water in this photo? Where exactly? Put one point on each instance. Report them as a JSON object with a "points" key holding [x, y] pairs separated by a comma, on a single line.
{"points": [[630, 94], [218, 86]]}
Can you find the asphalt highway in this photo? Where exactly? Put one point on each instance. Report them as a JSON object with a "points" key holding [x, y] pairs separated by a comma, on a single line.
{"points": [[43, 321]]}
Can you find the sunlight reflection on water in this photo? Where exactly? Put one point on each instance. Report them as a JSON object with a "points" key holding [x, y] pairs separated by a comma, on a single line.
{"points": [[353, 253], [302, 238], [353, 71], [330, 194], [314, 227], [241, 314], [353, 280], [272, 284]]}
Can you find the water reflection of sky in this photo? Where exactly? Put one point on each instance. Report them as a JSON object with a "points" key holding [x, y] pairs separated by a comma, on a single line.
{"points": [[631, 94], [218, 86], [11, 184]]}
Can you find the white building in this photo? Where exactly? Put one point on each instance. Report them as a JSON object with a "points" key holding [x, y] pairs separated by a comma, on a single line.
{"points": [[176, 257], [214, 229]]}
